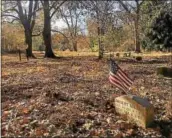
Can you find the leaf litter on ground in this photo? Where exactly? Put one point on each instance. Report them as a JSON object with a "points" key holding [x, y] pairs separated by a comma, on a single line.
{"points": [[73, 98]]}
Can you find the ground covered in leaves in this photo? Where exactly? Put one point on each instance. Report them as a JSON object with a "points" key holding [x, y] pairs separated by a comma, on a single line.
{"points": [[72, 97]]}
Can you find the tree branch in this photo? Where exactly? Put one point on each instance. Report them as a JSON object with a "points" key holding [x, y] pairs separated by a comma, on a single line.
{"points": [[11, 21], [54, 5], [11, 9], [141, 2], [65, 19], [21, 15], [34, 15], [57, 8], [60, 33], [124, 6], [30, 11], [11, 16]]}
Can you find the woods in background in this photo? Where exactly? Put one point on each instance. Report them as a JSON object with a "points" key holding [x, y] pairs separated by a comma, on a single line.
{"points": [[89, 26]]}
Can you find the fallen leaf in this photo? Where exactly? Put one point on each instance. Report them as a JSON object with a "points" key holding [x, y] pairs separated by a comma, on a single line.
{"points": [[25, 110], [25, 121], [119, 135], [40, 131]]}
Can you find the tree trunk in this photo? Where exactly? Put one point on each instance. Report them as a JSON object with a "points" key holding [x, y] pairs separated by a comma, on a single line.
{"points": [[19, 54], [47, 31], [137, 39], [28, 40], [99, 44], [98, 32], [74, 44]]}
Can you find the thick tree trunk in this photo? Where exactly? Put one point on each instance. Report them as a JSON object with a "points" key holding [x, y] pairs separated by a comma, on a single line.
{"points": [[28, 40], [47, 31]]}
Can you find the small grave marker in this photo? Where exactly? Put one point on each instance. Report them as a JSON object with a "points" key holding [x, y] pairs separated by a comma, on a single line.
{"points": [[137, 110]]}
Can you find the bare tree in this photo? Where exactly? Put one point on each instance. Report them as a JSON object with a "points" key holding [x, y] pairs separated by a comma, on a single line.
{"points": [[101, 11], [50, 8], [70, 13], [19, 11], [134, 13]]}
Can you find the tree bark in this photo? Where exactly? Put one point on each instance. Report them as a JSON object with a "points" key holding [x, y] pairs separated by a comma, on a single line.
{"points": [[99, 44], [74, 44], [28, 40], [137, 39], [136, 22], [100, 56], [19, 54], [47, 31], [27, 24]]}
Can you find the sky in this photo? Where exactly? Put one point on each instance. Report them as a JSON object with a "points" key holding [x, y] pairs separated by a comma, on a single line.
{"points": [[59, 24]]}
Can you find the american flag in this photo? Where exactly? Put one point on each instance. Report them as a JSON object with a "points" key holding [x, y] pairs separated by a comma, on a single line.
{"points": [[118, 77]]}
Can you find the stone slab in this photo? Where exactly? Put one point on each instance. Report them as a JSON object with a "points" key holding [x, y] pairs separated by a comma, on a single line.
{"points": [[137, 109]]}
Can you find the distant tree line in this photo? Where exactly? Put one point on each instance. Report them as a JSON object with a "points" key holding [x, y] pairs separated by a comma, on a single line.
{"points": [[130, 25]]}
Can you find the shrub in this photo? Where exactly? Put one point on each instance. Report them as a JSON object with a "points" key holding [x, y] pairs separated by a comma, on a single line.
{"points": [[41, 48], [138, 58], [159, 37], [128, 45], [129, 54], [118, 54], [125, 55], [147, 44]]}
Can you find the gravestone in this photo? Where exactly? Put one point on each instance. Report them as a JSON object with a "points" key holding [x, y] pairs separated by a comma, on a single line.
{"points": [[136, 109]]}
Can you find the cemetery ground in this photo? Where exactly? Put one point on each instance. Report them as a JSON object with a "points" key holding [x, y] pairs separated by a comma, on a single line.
{"points": [[72, 97]]}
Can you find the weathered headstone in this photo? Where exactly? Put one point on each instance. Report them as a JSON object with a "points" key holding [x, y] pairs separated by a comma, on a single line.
{"points": [[137, 110]]}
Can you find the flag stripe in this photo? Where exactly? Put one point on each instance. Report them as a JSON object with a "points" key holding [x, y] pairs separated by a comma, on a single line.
{"points": [[126, 76], [120, 79], [124, 79], [117, 84]]}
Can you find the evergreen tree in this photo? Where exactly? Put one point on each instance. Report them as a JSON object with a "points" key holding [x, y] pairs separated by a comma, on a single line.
{"points": [[161, 32], [158, 35]]}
